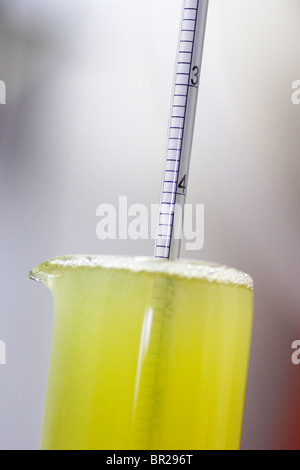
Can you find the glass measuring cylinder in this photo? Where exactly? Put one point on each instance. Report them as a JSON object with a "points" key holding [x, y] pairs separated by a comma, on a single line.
{"points": [[110, 387]]}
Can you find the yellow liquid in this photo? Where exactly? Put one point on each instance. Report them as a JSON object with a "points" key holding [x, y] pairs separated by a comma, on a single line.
{"points": [[146, 359]]}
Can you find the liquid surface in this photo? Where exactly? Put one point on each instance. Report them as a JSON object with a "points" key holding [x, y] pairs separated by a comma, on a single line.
{"points": [[143, 360], [189, 269]]}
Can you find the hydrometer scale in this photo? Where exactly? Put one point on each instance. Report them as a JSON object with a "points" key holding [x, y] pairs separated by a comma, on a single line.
{"points": [[155, 345], [181, 128]]}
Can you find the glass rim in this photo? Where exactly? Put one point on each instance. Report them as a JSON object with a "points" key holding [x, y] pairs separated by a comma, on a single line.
{"points": [[181, 268]]}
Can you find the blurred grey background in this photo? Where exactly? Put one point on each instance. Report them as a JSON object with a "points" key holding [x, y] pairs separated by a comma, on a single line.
{"points": [[88, 93]]}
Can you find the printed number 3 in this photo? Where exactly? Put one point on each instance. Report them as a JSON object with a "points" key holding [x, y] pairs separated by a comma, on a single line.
{"points": [[195, 79]]}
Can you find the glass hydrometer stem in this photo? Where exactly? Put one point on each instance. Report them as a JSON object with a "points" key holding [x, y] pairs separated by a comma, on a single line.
{"points": [[154, 344], [181, 128]]}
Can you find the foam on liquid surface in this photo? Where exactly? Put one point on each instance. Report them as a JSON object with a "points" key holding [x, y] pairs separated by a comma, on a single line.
{"points": [[189, 269]]}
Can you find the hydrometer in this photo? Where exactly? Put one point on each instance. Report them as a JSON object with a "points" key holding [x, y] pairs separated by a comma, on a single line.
{"points": [[181, 128], [155, 344]]}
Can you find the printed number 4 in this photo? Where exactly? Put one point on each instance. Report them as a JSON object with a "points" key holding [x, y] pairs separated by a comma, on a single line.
{"points": [[182, 184]]}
